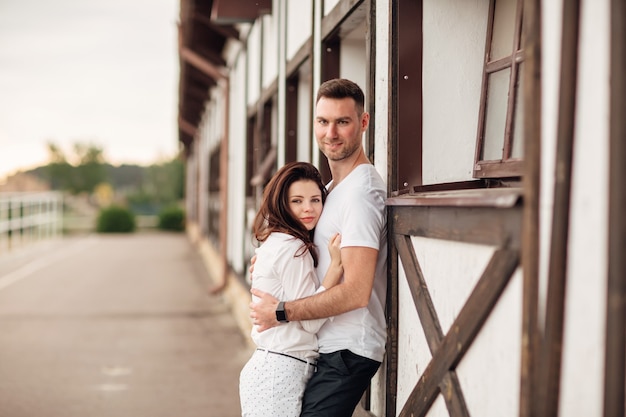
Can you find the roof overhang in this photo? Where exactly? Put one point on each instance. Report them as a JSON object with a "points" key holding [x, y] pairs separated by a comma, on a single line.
{"points": [[238, 11], [204, 29]]}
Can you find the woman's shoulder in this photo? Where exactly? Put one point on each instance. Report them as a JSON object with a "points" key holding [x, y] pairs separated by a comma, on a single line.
{"points": [[281, 237], [280, 249], [284, 242]]}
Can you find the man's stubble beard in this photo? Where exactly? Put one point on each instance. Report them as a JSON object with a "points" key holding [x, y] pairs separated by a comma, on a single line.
{"points": [[343, 154]]}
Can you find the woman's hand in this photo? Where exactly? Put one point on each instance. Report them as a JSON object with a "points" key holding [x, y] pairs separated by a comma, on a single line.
{"points": [[334, 248], [335, 269]]}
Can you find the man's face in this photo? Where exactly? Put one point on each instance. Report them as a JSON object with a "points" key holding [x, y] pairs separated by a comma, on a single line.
{"points": [[338, 127]]}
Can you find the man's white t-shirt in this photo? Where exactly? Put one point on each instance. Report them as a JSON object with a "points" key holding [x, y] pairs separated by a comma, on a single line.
{"points": [[356, 209]]}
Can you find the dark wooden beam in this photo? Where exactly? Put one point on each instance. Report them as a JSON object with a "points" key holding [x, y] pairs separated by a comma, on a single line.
{"points": [[226, 31], [615, 366], [393, 304], [392, 309], [203, 65], [551, 352], [487, 226], [195, 92], [236, 11], [343, 18], [463, 194], [186, 127], [211, 55], [531, 182]]}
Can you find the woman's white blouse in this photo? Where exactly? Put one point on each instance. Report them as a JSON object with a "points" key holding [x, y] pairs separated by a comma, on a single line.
{"points": [[278, 271]]}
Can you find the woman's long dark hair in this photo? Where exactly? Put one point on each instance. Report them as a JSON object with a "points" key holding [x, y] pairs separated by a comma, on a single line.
{"points": [[274, 214]]}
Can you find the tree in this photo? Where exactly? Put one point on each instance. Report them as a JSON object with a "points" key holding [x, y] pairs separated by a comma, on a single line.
{"points": [[84, 176], [163, 185], [58, 172], [90, 170]]}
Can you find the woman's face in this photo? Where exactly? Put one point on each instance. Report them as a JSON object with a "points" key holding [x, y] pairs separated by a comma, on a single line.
{"points": [[305, 202]]}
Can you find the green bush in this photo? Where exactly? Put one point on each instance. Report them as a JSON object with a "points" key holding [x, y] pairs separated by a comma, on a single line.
{"points": [[172, 218], [115, 219]]}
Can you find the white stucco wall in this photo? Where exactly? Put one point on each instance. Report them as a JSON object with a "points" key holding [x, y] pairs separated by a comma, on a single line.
{"points": [[215, 128], [550, 72], [413, 352], [202, 149], [382, 26], [493, 362], [299, 24], [191, 200], [380, 129], [305, 130], [253, 62], [237, 165], [584, 333], [352, 57], [270, 47], [329, 5], [454, 45]]}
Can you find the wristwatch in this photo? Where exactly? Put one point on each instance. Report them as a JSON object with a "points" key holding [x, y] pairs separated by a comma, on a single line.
{"points": [[281, 314]]}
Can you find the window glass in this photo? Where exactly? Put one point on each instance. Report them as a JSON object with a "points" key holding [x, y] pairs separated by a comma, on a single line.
{"points": [[495, 118], [503, 29], [517, 147]]}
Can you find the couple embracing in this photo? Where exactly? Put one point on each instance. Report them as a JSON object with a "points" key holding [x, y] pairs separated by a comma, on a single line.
{"points": [[319, 280]]}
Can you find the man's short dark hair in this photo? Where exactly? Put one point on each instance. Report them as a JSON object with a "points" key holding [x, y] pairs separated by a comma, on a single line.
{"points": [[339, 88]]}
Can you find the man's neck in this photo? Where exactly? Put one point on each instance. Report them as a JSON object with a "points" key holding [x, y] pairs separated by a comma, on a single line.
{"points": [[341, 169]]}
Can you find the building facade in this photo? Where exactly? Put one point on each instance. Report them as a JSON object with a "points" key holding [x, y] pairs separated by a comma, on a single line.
{"points": [[499, 128]]}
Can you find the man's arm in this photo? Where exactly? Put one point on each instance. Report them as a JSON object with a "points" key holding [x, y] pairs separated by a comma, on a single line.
{"points": [[359, 265]]}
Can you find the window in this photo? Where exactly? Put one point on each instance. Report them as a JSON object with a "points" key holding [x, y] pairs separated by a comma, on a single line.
{"points": [[264, 149], [499, 145]]}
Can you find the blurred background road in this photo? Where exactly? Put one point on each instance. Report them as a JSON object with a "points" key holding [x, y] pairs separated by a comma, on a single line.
{"points": [[115, 326]]}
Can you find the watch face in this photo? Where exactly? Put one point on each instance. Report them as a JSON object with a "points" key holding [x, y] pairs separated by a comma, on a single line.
{"points": [[281, 316]]}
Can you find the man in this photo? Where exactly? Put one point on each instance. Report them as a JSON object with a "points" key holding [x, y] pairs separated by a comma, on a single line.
{"points": [[352, 342]]}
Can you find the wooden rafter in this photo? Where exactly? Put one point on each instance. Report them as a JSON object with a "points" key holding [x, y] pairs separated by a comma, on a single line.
{"points": [[198, 62]]}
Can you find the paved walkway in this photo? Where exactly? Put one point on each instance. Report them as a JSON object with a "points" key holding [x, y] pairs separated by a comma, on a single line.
{"points": [[115, 326]]}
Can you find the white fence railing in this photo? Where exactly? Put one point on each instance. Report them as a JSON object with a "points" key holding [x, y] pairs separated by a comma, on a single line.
{"points": [[27, 218]]}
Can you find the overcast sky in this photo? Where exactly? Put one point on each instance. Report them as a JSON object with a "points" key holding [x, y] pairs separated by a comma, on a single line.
{"points": [[102, 72]]}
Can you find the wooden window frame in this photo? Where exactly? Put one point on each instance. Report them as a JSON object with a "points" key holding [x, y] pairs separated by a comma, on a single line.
{"points": [[264, 151], [507, 166]]}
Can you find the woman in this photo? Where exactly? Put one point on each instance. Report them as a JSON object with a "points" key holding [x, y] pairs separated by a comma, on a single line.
{"points": [[273, 381]]}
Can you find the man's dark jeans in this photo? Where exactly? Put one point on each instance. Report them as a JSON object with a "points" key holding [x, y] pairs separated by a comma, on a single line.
{"points": [[339, 383]]}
